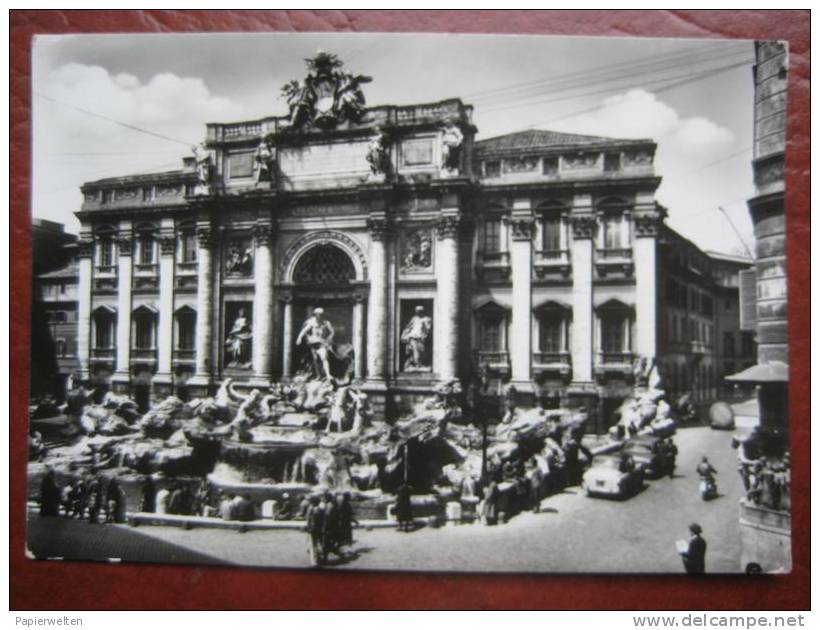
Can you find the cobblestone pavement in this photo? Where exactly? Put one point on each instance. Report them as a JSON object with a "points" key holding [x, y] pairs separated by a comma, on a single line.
{"points": [[573, 533]]}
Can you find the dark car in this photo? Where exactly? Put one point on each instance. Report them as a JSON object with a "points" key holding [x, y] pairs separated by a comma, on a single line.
{"points": [[649, 453]]}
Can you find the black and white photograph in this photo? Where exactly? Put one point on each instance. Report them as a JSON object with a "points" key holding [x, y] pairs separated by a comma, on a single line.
{"points": [[410, 302]]}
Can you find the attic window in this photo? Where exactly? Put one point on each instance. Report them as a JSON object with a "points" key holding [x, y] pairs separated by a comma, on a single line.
{"points": [[492, 169], [550, 165], [612, 162]]}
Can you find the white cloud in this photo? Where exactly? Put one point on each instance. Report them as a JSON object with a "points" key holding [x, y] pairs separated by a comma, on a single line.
{"points": [[640, 114], [71, 146]]}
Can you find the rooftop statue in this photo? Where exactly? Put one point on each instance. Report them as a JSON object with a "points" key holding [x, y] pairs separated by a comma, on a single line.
{"points": [[328, 96]]}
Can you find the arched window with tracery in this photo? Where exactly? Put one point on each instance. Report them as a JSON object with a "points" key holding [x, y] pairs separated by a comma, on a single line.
{"points": [[324, 265]]}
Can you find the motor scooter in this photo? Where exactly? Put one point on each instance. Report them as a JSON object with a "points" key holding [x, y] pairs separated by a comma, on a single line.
{"points": [[708, 488]]}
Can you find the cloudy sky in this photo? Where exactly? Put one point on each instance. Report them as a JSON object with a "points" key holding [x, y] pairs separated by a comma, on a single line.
{"points": [[693, 97]]}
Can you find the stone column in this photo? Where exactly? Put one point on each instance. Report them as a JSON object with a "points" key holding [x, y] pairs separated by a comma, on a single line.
{"points": [[583, 234], [263, 304], [121, 379], [447, 298], [287, 335], [85, 252], [646, 284], [163, 380], [583, 391], [520, 347], [377, 329], [203, 376], [359, 333]]}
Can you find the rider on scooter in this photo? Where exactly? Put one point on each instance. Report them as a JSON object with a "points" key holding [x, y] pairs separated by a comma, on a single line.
{"points": [[707, 479]]}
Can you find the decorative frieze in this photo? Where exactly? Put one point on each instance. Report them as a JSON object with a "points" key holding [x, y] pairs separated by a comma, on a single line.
{"points": [[583, 226], [449, 226], [581, 160], [637, 158], [520, 165]]}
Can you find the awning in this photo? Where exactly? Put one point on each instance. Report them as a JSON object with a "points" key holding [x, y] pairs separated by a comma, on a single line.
{"points": [[771, 372]]}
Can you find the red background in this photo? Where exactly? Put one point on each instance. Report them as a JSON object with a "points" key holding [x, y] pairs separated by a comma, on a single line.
{"points": [[52, 585]]}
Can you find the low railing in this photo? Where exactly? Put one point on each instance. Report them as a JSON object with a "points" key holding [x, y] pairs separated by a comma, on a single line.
{"points": [[144, 354], [551, 260], [147, 269], [698, 347], [493, 357], [614, 254], [188, 266], [549, 358], [494, 259], [184, 354], [616, 358], [105, 270], [102, 353]]}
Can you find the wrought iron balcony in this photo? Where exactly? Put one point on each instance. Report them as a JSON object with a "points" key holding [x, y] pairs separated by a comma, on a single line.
{"points": [[551, 261]]}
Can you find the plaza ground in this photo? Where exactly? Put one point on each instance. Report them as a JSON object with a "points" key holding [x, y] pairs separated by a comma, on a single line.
{"points": [[572, 534]]}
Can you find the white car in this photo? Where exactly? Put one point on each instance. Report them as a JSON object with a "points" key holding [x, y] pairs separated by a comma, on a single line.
{"points": [[606, 478]]}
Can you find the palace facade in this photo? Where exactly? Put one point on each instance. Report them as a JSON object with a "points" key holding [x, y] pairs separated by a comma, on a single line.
{"points": [[532, 259]]}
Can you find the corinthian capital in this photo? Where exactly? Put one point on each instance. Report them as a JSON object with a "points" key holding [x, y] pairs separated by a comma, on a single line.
{"points": [[449, 226], [521, 228], [583, 226], [124, 244], [85, 248], [206, 237], [379, 228], [263, 233], [647, 225]]}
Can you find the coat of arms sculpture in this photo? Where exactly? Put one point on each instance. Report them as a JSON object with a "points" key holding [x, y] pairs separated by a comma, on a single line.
{"points": [[328, 96]]}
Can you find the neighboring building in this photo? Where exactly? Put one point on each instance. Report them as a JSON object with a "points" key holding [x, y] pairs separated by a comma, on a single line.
{"points": [[534, 255], [54, 309], [765, 524], [735, 348]]}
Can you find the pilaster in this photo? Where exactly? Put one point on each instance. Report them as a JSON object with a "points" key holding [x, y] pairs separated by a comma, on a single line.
{"points": [[121, 378], [163, 380], [583, 225], [85, 251], [263, 303], [377, 304], [447, 302], [522, 226], [203, 376]]}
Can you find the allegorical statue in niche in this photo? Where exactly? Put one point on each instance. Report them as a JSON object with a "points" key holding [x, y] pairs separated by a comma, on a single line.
{"points": [[265, 159], [317, 332], [451, 141], [239, 260], [415, 336], [238, 341], [378, 153], [202, 159], [419, 251]]}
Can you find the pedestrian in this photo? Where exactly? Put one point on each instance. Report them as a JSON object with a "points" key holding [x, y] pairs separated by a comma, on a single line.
{"points": [[50, 494], [672, 452], [330, 542], [114, 502], [489, 514], [536, 478], [149, 495], [404, 508], [315, 527], [95, 499], [694, 557], [346, 520], [80, 498]]}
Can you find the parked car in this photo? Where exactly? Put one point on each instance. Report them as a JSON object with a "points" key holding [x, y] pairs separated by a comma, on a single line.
{"points": [[608, 477], [649, 454]]}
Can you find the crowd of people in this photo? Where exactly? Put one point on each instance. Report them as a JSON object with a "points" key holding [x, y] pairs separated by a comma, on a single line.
{"points": [[329, 524], [90, 496]]}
